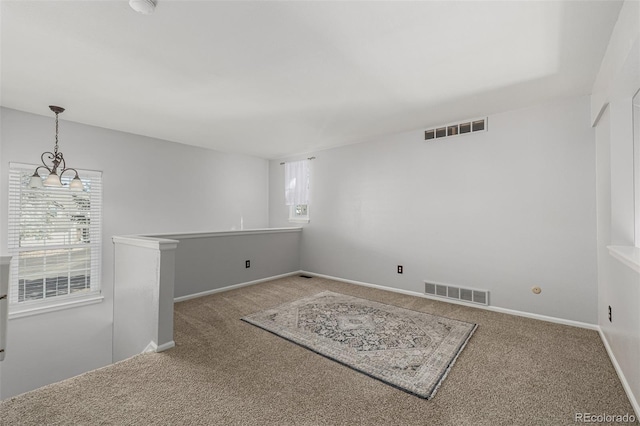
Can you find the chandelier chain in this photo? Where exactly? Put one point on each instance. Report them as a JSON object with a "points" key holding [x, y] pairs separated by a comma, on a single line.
{"points": [[55, 151]]}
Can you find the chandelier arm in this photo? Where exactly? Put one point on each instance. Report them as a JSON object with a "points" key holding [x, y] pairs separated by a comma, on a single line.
{"points": [[70, 169], [40, 167], [50, 157]]}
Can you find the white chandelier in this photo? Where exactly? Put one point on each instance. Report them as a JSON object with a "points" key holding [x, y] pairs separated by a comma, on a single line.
{"points": [[56, 158]]}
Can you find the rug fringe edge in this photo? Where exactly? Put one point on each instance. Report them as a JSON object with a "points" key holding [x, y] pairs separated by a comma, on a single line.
{"points": [[453, 361]]}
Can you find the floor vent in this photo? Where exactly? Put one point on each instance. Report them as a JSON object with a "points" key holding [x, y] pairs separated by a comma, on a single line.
{"points": [[480, 297], [305, 276], [468, 126]]}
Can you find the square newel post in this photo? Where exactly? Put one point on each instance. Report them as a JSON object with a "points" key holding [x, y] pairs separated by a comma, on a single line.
{"points": [[143, 295]]}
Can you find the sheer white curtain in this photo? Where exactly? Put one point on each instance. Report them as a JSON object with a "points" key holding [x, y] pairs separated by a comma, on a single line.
{"points": [[296, 182]]}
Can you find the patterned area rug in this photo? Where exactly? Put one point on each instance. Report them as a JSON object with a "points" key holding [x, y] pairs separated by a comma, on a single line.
{"points": [[410, 350]]}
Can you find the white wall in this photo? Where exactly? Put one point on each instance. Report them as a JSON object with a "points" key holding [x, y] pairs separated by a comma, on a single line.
{"points": [[611, 112], [150, 186], [143, 295], [503, 210]]}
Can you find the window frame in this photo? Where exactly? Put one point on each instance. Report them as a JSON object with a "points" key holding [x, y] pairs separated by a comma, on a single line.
{"points": [[18, 178], [296, 218]]}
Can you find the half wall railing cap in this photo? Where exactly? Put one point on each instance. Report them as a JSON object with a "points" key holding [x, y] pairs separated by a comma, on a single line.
{"points": [[146, 242], [229, 233], [165, 240]]}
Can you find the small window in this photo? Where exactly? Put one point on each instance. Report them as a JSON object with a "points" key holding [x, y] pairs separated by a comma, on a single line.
{"points": [[296, 189], [452, 130], [299, 213], [441, 132], [429, 134]]}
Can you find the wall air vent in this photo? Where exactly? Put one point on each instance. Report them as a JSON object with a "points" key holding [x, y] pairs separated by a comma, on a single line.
{"points": [[467, 126], [471, 295]]}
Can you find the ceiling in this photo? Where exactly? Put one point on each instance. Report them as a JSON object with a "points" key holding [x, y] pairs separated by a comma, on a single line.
{"points": [[276, 79]]}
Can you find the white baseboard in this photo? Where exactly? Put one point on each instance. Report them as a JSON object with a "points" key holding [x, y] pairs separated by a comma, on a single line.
{"points": [[165, 346], [153, 347], [456, 302], [625, 384], [232, 287]]}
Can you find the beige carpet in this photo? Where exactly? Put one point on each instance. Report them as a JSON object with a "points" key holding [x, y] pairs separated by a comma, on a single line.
{"points": [[514, 371]]}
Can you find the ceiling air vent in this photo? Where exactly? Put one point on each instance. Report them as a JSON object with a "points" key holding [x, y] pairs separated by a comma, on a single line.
{"points": [[468, 126], [480, 297]]}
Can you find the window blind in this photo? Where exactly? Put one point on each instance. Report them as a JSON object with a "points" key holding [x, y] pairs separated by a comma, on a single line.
{"points": [[55, 238]]}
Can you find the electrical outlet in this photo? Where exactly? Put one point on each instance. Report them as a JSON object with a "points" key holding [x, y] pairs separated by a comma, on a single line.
{"points": [[610, 320], [400, 269], [247, 264]]}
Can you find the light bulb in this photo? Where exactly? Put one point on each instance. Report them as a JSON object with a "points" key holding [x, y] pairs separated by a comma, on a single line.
{"points": [[145, 7], [52, 180], [76, 184], [35, 181]]}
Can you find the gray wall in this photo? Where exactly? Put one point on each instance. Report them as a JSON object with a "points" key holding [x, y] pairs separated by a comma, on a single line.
{"points": [[210, 262], [503, 210], [150, 186]]}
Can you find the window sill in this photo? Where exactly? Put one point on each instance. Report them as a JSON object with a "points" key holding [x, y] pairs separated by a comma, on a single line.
{"points": [[22, 312], [628, 255], [299, 220]]}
